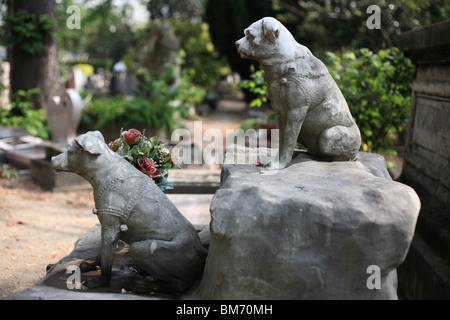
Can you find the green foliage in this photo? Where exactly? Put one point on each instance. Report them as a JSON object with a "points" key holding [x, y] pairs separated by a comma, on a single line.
{"points": [[201, 61], [105, 33], [28, 31], [167, 91], [187, 94], [377, 87], [128, 113], [154, 107], [257, 86], [8, 172], [321, 25], [23, 114], [328, 25], [179, 9]]}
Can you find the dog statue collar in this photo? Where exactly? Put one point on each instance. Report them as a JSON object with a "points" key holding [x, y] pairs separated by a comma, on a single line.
{"points": [[122, 214]]}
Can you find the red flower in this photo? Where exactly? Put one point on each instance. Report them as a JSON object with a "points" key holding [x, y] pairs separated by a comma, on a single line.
{"points": [[148, 167], [131, 136]]}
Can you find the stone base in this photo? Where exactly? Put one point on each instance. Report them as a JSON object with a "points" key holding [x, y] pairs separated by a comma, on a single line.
{"points": [[314, 230], [125, 281]]}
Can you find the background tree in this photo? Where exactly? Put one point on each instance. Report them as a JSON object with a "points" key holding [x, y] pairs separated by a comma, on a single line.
{"points": [[105, 35], [33, 51], [330, 25], [321, 25], [178, 9], [227, 20]]}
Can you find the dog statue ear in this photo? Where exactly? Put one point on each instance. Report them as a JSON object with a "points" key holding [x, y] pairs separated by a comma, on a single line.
{"points": [[97, 134], [86, 143], [271, 29]]}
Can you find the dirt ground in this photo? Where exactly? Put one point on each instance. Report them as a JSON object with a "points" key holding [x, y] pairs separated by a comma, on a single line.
{"points": [[37, 228]]}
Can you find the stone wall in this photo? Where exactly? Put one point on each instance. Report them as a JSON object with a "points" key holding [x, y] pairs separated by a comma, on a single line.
{"points": [[426, 271], [427, 151]]}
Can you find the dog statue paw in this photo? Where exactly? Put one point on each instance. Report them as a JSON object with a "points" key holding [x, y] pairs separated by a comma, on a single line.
{"points": [[309, 105], [130, 207]]}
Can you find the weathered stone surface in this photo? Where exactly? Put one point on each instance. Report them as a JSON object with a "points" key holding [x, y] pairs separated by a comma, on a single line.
{"points": [[310, 231]]}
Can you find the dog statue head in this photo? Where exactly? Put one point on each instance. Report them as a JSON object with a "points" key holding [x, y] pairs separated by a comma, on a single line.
{"points": [[80, 152], [266, 39]]}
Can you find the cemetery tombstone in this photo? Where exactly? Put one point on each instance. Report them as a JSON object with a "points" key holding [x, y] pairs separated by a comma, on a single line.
{"points": [[63, 114]]}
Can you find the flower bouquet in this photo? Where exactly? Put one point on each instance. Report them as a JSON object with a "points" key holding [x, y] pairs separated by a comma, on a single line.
{"points": [[150, 155]]}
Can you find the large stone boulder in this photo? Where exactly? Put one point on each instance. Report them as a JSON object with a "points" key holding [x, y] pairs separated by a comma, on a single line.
{"points": [[314, 230]]}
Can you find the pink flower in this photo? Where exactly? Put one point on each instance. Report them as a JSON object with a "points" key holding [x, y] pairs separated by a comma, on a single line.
{"points": [[148, 167], [131, 136]]}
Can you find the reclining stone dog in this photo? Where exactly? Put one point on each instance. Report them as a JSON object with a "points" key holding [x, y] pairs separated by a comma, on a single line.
{"points": [[130, 207], [308, 103]]}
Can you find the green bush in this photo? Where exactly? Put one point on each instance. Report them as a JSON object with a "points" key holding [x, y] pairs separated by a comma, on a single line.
{"points": [[167, 90], [257, 86], [23, 114], [128, 113], [377, 87], [155, 106]]}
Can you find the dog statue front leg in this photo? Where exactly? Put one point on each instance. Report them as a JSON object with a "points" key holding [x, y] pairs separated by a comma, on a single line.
{"points": [[109, 243], [290, 139], [289, 131]]}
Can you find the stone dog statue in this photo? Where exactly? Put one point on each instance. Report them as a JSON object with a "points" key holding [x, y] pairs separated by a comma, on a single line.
{"points": [[308, 103], [132, 208]]}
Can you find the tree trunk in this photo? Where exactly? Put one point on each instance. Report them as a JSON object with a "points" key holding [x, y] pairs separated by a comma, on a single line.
{"points": [[36, 70]]}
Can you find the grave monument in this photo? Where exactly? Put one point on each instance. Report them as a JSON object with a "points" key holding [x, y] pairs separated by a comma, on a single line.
{"points": [[315, 229], [297, 227]]}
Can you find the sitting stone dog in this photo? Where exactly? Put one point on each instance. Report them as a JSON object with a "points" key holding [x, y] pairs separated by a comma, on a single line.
{"points": [[132, 208], [308, 103]]}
